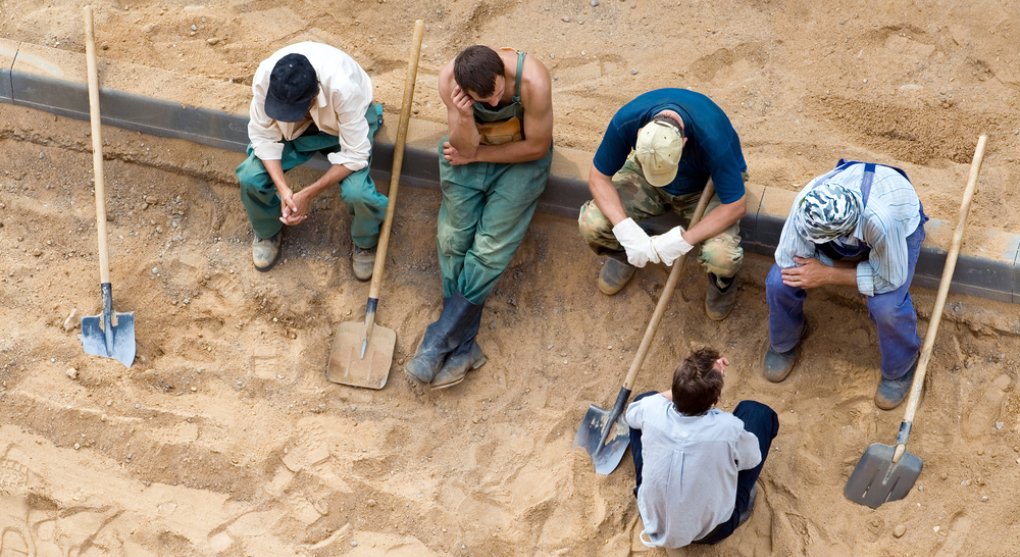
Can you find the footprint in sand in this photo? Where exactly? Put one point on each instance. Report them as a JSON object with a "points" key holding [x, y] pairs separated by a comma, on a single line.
{"points": [[15, 539], [982, 405]]}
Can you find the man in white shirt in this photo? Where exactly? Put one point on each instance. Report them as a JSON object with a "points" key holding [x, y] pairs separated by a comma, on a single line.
{"points": [[696, 465], [311, 98]]}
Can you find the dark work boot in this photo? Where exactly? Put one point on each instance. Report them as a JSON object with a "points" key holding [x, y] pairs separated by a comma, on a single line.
{"points": [[891, 392], [777, 365], [719, 301], [614, 276], [466, 357], [440, 339]]}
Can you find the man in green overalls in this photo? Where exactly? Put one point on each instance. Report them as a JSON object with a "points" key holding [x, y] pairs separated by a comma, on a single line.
{"points": [[493, 168]]}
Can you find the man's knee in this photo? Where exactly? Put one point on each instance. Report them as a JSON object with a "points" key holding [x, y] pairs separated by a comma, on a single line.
{"points": [[359, 189], [752, 411], [451, 241], [722, 255], [888, 308], [592, 223], [774, 279]]}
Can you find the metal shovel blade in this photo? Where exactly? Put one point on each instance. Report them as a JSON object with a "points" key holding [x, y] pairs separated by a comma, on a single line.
{"points": [[346, 364], [605, 435], [877, 479], [110, 335]]}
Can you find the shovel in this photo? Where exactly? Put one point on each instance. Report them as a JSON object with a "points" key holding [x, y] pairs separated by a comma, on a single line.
{"points": [[605, 434], [110, 334], [362, 353], [886, 473]]}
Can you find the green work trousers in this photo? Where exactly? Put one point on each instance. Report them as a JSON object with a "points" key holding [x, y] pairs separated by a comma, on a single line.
{"points": [[484, 214], [358, 192]]}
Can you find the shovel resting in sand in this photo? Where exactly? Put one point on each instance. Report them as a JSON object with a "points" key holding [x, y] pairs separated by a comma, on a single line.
{"points": [[362, 352], [887, 473], [110, 334], [604, 434]]}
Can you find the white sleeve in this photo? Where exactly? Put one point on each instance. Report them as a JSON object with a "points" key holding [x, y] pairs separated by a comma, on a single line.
{"points": [[355, 146], [748, 451]]}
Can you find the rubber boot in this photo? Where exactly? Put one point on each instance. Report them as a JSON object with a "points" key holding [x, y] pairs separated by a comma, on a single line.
{"points": [[440, 340], [466, 357], [719, 301]]}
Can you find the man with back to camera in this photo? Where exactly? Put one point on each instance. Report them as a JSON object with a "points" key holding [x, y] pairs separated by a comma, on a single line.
{"points": [[308, 98], [695, 465]]}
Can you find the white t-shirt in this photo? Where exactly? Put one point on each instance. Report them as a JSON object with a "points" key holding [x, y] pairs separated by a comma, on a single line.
{"points": [[689, 476]]}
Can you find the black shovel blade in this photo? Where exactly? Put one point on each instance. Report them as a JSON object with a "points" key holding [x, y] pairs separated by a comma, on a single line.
{"points": [[877, 479], [605, 435]]}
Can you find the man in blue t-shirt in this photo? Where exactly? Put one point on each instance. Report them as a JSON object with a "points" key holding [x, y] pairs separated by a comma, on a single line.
{"points": [[657, 155]]}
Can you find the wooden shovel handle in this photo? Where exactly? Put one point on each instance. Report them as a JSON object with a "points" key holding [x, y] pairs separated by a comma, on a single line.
{"points": [[97, 146], [944, 283], [667, 293], [398, 159]]}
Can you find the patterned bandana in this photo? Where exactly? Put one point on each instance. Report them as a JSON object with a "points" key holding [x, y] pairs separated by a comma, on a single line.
{"points": [[827, 212]]}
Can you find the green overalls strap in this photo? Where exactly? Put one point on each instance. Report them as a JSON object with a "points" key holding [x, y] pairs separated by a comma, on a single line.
{"points": [[358, 191], [486, 210], [485, 113]]}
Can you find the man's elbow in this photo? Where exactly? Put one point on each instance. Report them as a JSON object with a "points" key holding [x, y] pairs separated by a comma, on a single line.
{"points": [[538, 149]]}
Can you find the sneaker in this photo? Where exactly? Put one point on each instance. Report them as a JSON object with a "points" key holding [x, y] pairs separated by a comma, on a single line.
{"points": [[363, 262], [777, 365], [891, 392], [719, 302], [265, 252], [614, 276]]}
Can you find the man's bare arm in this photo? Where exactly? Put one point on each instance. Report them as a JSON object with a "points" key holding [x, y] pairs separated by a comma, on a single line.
{"points": [[459, 113], [717, 221]]}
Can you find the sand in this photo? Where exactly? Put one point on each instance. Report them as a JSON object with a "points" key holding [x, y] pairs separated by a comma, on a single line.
{"points": [[225, 439]]}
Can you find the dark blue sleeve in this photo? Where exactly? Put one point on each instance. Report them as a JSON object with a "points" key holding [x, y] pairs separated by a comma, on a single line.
{"points": [[613, 150], [727, 167]]}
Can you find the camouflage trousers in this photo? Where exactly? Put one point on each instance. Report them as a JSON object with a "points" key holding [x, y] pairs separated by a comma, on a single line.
{"points": [[720, 255]]}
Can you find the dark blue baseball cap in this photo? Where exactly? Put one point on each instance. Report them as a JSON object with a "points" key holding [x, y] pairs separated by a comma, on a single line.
{"points": [[292, 86]]}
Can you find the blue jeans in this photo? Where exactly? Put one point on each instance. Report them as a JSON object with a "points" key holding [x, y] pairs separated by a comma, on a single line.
{"points": [[758, 419], [892, 313]]}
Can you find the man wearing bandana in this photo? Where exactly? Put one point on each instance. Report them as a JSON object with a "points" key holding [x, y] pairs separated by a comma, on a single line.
{"points": [[859, 225]]}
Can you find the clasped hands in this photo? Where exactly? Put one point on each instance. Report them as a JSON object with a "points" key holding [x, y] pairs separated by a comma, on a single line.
{"points": [[643, 249], [294, 206]]}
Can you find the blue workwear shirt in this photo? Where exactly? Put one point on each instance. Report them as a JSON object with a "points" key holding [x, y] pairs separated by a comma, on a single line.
{"points": [[712, 149], [893, 212]]}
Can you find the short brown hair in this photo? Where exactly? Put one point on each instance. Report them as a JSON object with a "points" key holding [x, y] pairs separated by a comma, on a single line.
{"points": [[475, 69], [696, 383]]}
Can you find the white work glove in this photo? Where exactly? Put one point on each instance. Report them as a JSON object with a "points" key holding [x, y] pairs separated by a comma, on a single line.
{"points": [[671, 245], [636, 242]]}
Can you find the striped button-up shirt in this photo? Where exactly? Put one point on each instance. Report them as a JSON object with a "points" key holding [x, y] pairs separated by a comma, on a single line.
{"points": [[345, 91], [892, 214]]}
